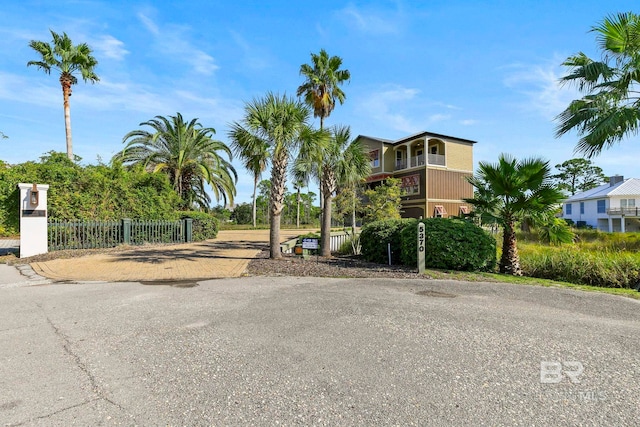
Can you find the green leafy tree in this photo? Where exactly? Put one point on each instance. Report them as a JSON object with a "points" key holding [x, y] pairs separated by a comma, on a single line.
{"points": [[69, 59], [384, 201], [578, 175], [610, 109], [506, 191], [187, 153], [242, 213], [278, 122]]}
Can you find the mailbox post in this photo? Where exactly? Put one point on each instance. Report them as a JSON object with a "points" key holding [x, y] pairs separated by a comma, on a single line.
{"points": [[33, 219], [422, 238]]}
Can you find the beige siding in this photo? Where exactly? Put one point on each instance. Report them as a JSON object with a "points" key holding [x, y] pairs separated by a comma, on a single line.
{"points": [[448, 185], [389, 158], [459, 156], [370, 146]]}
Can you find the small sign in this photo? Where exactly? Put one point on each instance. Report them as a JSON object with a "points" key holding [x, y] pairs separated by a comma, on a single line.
{"points": [[34, 213], [422, 240], [309, 243]]}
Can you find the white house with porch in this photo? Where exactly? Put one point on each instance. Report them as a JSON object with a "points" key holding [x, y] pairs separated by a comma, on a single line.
{"points": [[612, 207]]}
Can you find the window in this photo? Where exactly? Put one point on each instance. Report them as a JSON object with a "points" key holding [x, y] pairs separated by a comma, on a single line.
{"points": [[567, 209], [434, 149], [410, 185], [375, 158], [439, 211], [464, 210], [627, 203], [602, 206], [581, 208]]}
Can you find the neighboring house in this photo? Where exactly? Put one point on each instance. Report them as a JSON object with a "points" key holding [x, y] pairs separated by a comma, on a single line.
{"points": [[610, 207], [433, 170]]}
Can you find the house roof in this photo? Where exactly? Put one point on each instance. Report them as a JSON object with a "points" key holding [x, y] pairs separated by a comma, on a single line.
{"points": [[431, 134], [388, 141], [415, 136], [628, 187]]}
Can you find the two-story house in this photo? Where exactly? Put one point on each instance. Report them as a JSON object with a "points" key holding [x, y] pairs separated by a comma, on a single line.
{"points": [[433, 170], [614, 206]]}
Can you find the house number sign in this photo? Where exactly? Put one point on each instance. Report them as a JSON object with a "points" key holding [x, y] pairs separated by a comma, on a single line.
{"points": [[422, 240]]}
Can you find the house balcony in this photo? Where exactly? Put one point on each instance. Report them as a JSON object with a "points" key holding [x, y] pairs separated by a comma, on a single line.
{"points": [[624, 211], [416, 161]]}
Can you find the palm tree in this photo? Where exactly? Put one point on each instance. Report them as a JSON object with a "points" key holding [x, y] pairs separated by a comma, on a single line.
{"points": [[68, 59], [354, 167], [278, 122], [610, 109], [254, 154], [505, 191], [321, 88], [187, 153], [343, 161]]}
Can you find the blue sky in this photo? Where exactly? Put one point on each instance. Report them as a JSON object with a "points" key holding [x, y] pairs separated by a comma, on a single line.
{"points": [[485, 71]]}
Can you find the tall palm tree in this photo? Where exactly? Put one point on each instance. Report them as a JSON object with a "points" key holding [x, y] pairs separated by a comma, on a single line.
{"points": [[254, 154], [63, 56], [321, 88], [343, 163], [278, 122], [187, 153], [506, 191], [610, 109]]}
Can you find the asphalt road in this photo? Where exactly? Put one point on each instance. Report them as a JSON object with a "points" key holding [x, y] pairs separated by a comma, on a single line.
{"points": [[304, 351]]}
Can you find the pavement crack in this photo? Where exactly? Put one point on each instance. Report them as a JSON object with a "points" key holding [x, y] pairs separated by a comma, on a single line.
{"points": [[66, 345], [42, 417]]}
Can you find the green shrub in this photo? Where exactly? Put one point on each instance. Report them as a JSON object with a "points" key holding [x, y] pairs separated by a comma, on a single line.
{"points": [[377, 235], [205, 225], [580, 265], [452, 244]]}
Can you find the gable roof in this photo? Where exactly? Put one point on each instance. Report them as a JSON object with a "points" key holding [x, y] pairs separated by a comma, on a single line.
{"points": [[415, 136], [628, 187]]}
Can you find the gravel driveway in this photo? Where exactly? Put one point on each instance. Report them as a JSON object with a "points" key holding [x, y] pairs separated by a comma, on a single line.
{"points": [[311, 351]]}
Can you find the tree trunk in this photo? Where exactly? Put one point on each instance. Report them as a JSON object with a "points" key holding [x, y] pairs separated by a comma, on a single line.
{"points": [[278, 180], [353, 214], [65, 81], [328, 187], [510, 261], [298, 210], [255, 186]]}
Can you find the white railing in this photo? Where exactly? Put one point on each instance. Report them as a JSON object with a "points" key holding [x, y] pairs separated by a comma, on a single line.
{"points": [[436, 159], [336, 239]]}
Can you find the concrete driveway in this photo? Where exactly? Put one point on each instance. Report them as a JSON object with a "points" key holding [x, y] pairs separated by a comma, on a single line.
{"points": [[304, 351], [225, 256]]}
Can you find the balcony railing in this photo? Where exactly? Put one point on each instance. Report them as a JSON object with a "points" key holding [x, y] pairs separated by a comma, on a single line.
{"points": [[415, 161], [436, 159], [624, 211]]}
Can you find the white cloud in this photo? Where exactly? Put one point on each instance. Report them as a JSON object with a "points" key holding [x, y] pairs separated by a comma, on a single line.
{"points": [[42, 92], [110, 47], [371, 21], [438, 117], [468, 122], [386, 106], [172, 41], [539, 83]]}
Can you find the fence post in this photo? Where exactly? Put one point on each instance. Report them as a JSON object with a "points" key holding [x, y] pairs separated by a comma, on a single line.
{"points": [[188, 230], [126, 231]]}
